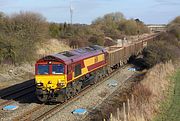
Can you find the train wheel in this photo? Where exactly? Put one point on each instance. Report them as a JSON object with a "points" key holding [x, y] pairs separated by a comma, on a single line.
{"points": [[96, 78], [62, 98], [42, 97], [78, 87], [109, 70], [69, 91]]}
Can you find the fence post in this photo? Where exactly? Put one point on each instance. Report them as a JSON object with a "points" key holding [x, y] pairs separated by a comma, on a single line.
{"points": [[142, 117], [132, 98], [111, 117], [123, 43], [128, 110], [118, 114], [124, 110]]}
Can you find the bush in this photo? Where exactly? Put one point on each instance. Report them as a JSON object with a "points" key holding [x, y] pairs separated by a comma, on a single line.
{"points": [[167, 47], [19, 35], [132, 27], [174, 27], [97, 40], [158, 52], [106, 26]]}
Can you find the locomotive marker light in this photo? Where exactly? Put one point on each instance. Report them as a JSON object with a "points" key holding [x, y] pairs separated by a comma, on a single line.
{"points": [[39, 84], [60, 84], [49, 82]]}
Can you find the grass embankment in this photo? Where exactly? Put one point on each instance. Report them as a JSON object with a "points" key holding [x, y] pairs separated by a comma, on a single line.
{"points": [[171, 107], [149, 94], [151, 91]]}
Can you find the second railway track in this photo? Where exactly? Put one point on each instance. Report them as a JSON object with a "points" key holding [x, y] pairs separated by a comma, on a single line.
{"points": [[16, 94]]}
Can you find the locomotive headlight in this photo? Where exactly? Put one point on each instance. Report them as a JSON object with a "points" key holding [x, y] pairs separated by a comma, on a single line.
{"points": [[39, 84]]}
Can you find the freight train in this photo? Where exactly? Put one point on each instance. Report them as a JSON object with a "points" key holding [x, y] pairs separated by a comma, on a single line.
{"points": [[60, 76]]}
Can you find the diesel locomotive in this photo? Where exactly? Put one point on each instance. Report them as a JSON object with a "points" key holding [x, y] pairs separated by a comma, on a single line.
{"points": [[62, 75]]}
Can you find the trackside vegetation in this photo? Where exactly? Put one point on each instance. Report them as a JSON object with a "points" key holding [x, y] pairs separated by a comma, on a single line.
{"points": [[166, 47], [157, 94], [170, 107], [156, 97], [174, 27], [20, 33], [113, 25]]}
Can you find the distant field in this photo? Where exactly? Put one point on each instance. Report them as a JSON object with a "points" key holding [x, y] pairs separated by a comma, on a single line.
{"points": [[173, 111]]}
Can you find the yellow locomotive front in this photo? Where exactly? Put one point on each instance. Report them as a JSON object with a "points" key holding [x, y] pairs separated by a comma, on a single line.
{"points": [[50, 79]]}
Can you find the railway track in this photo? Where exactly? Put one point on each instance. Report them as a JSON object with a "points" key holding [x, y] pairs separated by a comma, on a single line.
{"points": [[16, 94], [55, 108]]}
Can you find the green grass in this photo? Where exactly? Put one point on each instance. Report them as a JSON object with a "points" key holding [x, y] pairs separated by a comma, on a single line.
{"points": [[170, 108]]}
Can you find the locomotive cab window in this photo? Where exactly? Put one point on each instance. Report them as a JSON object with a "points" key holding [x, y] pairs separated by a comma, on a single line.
{"points": [[43, 69], [77, 70], [57, 69]]}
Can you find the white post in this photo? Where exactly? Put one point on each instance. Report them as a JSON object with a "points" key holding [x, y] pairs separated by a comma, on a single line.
{"points": [[128, 105], [111, 117], [124, 110], [132, 98], [118, 114]]}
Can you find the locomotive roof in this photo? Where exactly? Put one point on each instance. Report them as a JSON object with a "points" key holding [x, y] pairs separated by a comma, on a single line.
{"points": [[76, 54]]}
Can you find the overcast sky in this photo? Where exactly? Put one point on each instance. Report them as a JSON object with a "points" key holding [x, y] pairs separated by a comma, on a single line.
{"points": [[85, 11]]}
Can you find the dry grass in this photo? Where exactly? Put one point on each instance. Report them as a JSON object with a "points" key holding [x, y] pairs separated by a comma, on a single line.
{"points": [[149, 93], [52, 46], [11, 74]]}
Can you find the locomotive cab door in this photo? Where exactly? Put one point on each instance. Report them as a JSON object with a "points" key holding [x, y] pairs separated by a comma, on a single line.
{"points": [[69, 72]]}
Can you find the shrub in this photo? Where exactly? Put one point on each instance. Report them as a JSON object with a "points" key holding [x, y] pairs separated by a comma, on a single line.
{"points": [[97, 40], [132, 27], [174, 27], [158, 52], [19, 35]]}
